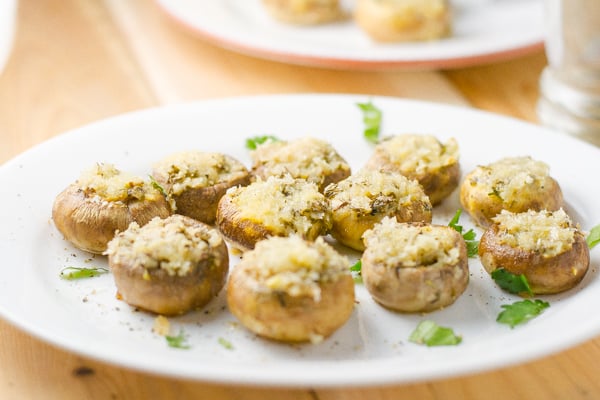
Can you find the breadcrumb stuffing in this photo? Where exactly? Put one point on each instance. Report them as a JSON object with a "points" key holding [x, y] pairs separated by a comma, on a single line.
{"points": [[104, 182], [307, 158], [415, 155], [161, 326], [175, 244], [369, 192], [285, 205], [196, 169], [509, 176], [546, 232], [404, 20], [396, 244], [296, 266], [304, 12]]}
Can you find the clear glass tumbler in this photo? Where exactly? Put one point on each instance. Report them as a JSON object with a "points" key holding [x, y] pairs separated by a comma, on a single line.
{"points": [[570, 84]]}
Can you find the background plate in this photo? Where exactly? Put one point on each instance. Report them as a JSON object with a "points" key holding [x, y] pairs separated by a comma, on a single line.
{"points": [[484, 31], [372, 348]]}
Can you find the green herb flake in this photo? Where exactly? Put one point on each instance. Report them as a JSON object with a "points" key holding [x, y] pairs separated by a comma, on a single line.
{"points": [[512, 283], [73, 273], [372, 121], [594, 237], [356, 270], [521, 311], [469, 236], [495, 193], [253, 142], [431, 334], [225, 343], [177, 342], [157, 185]]}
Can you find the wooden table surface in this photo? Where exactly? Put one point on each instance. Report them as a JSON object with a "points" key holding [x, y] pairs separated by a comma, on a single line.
{"points": [[78, 61]]}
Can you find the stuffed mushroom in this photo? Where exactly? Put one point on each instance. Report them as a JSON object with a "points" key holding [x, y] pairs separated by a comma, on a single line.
{"points": [[306, 158], [304, 12], [404, 20], [195, 181], [292, 290], [363, 199], [169, 266], [435, 165], [273, 207], [516, 184], [544, 246], [102, 201], [412, 267]]}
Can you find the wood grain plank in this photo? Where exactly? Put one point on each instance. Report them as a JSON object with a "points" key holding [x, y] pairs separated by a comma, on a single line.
{"points": [[508, 88], [68, 67]]}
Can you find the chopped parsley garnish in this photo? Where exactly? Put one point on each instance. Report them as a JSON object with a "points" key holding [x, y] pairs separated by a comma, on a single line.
{"points": [[177, 342], [431, 334], [157, 186], [469, 236], [495, 192], [521, 311], [72, 273], [372, 121], [356, 272], [253, 142], [594, 237], [225, 343], [512, 283]]}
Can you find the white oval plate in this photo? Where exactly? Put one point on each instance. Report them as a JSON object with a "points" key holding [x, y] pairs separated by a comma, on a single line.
{"points": [[484, 31], [372, 348]]}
